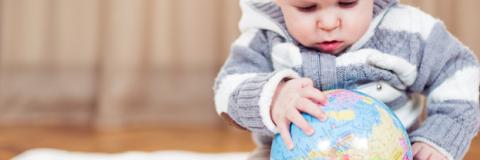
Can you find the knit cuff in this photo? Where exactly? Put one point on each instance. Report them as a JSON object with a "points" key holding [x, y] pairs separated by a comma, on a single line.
{"points": [[444, 134], [250, 103]]}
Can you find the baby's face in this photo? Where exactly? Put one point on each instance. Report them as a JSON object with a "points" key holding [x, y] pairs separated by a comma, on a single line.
{"points": [[327, 25]]}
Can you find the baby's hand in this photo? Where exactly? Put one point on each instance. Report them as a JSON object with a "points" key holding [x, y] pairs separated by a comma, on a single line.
{"points": [[290, 99], [423, 151]]}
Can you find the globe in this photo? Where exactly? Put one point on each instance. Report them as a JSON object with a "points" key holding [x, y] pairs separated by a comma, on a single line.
{"points": [[357, 127]]}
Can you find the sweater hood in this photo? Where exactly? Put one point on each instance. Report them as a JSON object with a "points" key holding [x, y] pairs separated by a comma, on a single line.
{"points": [[265, 14]]}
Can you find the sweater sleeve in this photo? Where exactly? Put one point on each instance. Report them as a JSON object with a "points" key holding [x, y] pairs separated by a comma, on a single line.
{"points": [[449, 77], [246, 83]]}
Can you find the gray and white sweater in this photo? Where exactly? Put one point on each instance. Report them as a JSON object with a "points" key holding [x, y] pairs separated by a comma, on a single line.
{"points": [[404, 51]]}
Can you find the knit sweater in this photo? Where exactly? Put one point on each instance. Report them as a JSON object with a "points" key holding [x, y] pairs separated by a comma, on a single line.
{"points": [[404, 51]]}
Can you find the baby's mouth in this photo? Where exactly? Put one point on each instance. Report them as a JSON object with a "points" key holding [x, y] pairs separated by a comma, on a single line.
{"points": [[329, 46]]}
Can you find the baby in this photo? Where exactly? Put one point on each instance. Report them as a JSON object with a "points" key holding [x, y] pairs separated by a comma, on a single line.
{"points": [[289, 51]]}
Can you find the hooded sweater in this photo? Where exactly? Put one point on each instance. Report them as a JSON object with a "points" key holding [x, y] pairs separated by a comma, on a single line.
{"points": [[404, 51]]}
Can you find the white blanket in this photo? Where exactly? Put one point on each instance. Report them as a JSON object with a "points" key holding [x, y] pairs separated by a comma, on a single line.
{"points": [[54, 154]]}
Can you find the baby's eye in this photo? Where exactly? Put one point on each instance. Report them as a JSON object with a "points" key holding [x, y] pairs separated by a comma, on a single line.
{"points": [[307, 8], [347, 3]]}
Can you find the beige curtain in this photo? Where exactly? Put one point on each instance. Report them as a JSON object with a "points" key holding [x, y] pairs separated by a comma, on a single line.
{"points": [[112, 62], [128, 62]]}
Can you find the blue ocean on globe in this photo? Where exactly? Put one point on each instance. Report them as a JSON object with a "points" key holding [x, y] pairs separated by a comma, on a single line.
{"points": [[358, 127]]}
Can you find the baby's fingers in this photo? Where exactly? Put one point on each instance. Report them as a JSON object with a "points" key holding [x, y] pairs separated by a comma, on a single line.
{"points": [[311, 108], [420, 152], [437, 157], [314, 94], [306, 82], [284, 129], [296, 118]]}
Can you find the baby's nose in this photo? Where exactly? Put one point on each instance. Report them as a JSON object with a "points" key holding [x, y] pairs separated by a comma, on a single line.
{"points": [[328, 23]]}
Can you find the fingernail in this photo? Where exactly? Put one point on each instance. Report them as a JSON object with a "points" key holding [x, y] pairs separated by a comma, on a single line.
{"points": [[290, 146], [325, 102], [324, 118], [310, 131]]}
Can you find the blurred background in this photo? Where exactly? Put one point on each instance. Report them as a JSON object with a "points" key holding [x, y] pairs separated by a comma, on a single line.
{"points": [[117, 75]]}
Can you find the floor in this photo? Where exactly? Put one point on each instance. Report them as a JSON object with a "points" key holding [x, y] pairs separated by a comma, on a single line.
{"points": [[14, 140]]}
